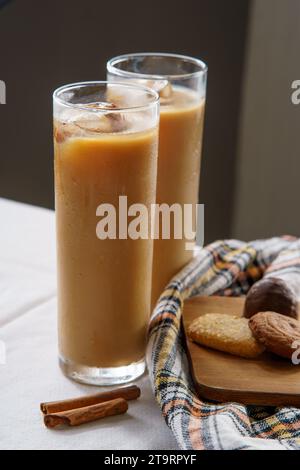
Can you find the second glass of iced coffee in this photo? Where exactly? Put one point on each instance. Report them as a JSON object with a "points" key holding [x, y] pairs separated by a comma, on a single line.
{"points": [[181, 83]]}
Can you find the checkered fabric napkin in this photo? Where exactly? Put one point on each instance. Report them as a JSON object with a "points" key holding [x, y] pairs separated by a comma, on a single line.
{"points": [[227, 268]]}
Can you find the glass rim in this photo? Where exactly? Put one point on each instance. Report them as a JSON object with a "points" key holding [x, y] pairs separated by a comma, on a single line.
{"points": [[111, 66], [82, 107]]}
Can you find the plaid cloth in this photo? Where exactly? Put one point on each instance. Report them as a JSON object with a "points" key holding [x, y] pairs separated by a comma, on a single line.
{"points": [[227, 268]]}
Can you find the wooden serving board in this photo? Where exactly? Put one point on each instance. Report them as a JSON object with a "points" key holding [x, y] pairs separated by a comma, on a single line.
{"points": [[267, 380]]}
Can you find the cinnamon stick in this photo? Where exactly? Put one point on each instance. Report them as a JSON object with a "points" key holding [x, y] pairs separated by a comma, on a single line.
{"points": [[86, 414], [128, 393]]}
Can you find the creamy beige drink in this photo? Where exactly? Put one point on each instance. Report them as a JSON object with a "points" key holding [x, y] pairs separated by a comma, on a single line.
{"points": [[181, 83], [180, 139], [104, 285]]}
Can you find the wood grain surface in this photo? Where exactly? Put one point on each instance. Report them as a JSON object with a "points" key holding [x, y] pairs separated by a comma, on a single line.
{"points": [[267, 380]]}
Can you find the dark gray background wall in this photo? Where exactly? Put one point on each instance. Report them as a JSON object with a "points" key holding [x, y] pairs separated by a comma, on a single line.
{"points": [[46, 44], [268, 165]]}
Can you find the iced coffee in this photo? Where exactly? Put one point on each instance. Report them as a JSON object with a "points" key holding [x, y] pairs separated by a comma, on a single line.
{"points": [[105, 139], [181, 128], [181, 83]]}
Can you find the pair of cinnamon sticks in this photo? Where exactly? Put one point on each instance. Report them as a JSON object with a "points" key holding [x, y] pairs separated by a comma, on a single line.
{"points": [[76, 411]]}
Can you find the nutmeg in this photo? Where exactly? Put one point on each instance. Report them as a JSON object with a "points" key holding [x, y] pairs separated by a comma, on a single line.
{"points": [[271, 294]]}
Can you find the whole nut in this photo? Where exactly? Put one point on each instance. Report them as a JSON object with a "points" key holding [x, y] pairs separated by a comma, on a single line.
{"points": [[271, 294]]}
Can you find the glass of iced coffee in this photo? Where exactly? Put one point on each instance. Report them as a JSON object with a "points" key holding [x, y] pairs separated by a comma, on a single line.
{"points": [[105, 141], [181, 84]]}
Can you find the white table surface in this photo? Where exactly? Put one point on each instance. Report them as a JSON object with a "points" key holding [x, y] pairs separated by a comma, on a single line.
{"points": [[31, 374]]}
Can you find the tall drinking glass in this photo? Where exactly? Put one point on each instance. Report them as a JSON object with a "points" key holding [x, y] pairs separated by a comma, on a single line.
{"points": [[181, 83], [105, 140]]}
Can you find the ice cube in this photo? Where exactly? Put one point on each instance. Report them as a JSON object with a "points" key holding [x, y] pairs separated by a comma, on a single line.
{"points": [[64, 130], [86, 124], [101, 105], [166, 92], [162, 86], [101, 123]]}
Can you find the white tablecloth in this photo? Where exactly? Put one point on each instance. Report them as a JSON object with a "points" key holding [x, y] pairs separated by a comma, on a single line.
{"points": [[28, 329]]}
